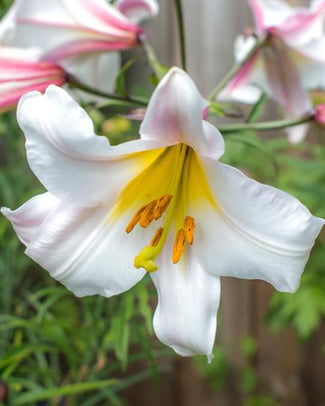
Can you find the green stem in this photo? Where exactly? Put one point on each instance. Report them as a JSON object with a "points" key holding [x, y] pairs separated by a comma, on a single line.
{"points": [[235, 69], [130, 101], [156, 66], [181, 31], [266, 126]]}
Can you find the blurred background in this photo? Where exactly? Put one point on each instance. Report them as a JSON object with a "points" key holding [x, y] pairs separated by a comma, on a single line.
{"points": [[56, 349]]}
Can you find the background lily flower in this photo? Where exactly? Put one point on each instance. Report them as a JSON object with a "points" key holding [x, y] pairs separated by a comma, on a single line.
{"points": [[81, 35], [163, 204], [289, 62], [21, 72]]}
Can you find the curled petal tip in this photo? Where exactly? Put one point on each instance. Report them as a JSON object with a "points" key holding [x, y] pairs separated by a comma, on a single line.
{"points": [[176, 69], [4, 211], [138, 10], [210, 357], [291, 285], [173, 73], [54, 90], [28, 95]]}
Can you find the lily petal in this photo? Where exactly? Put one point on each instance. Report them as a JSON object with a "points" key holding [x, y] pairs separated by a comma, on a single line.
{"points": [[55, 26], [83, 248], [284, 81], [98, 70], [21, 71], [174, 115], [286, 86], [271, 232], [188, 301], [138, 10], [270, 13], [77, 18], [310, 61], [295, 25], [27, 219], [250, 81], [60, 140], [304, 25]]}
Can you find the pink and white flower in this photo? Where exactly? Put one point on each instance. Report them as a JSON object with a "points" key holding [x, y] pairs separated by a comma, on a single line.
{"points": [[21, 72], [81, 35], [291, 61], [163, 204]]}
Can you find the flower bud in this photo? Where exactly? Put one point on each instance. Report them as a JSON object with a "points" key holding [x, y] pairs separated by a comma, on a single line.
{"points": [[320, 114]]}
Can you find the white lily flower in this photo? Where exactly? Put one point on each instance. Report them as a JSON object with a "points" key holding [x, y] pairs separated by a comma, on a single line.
{"points": [[163, 204], [291, 61], [81, 35]]}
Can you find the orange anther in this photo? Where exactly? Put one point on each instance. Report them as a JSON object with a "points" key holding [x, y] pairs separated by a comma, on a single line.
{"points": [[189, 226], [179, 245], [161, 206], [155, 240], [134, 221], [147, 214]]}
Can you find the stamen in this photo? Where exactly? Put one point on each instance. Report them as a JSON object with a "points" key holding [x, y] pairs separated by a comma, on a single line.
{"points": [[161, 206], [152, 211], [147, 214], [178, 245], [135, 219], [189, 226], [155, 240]]}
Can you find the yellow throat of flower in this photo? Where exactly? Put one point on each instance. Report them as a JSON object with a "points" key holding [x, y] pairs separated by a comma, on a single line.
{"points": [[172, 177]]}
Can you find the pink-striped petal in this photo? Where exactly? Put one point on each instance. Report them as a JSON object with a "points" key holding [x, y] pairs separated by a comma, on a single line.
{"points": [[82, 47], [174, 115], [10, 95], [21, 72]]}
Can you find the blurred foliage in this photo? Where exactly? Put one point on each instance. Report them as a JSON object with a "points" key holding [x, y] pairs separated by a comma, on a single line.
{"points": [[260, 401], [218, 371], [248, 375]]}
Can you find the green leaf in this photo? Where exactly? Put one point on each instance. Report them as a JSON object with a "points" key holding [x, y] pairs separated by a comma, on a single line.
{"points": [[21, 352], [142, 295], [258, 109], [160, 71], [73, 389], [303, 309], [119, 334], [120, 84], [8, 322], [250, 140], [225, 109], [216, 109]]}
